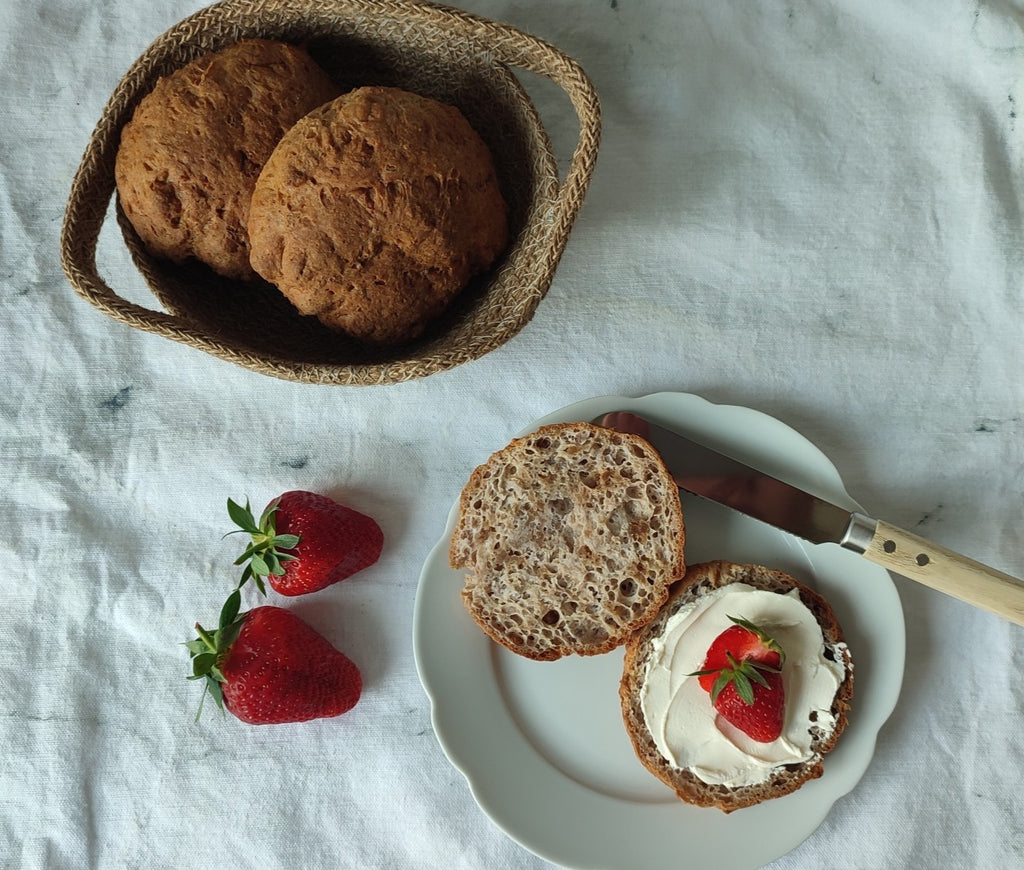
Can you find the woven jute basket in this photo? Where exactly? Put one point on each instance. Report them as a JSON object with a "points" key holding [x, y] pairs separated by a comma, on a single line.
{"points": [[433, 50]]}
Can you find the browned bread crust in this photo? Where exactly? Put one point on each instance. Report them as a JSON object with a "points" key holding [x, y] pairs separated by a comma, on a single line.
{"points": [[375, 211], [570, 538], [700, 579], [189, 157]]}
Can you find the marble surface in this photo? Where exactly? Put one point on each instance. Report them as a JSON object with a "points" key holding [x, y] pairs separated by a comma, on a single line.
{"points": [[811, 209]]}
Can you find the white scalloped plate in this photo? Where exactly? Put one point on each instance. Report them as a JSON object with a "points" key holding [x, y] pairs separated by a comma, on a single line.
{"points": [[542, 744]]}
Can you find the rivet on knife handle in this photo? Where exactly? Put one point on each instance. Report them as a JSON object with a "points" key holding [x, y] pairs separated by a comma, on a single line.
{"points": [[946, 571]]}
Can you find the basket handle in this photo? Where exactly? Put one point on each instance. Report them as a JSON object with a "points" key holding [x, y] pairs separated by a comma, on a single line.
{"points": [[79, 238], [91, 193], [515, 48]]}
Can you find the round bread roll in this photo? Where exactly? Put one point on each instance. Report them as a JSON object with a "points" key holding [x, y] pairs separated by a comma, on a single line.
{"points": [[375, 211], [570, 537], [783, 779], [189, 157]]}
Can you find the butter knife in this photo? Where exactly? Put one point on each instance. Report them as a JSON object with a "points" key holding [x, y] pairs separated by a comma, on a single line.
{"points": [[708, 473]]}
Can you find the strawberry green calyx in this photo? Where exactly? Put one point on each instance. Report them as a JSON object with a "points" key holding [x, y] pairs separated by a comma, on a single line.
{"points": [[742, 675], [209, 649], [266, 554]]}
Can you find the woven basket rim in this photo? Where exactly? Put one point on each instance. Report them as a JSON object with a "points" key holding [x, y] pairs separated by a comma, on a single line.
{"points": [[505, 47]]}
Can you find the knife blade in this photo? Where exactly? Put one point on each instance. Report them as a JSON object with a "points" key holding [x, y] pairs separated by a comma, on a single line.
{"points": [[711, 474]]}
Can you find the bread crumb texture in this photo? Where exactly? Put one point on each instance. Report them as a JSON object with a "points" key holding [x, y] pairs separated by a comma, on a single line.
{"points": [[570, 538], [189, 157], [375, 211]]}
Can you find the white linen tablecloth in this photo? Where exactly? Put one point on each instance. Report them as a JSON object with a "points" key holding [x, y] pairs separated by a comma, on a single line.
{"points": [[810, 208]]}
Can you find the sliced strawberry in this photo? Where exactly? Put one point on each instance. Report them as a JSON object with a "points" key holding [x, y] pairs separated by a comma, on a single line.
{"points": [[742, 673], [743, 640], [304, 542], [267, 666]]}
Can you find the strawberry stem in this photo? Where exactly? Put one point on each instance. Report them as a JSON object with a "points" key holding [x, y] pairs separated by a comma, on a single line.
{"points": [[266, 554], [208, 650]]}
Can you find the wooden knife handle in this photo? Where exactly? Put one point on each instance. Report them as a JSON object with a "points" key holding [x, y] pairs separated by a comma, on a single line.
{"points": [[907, 554]]}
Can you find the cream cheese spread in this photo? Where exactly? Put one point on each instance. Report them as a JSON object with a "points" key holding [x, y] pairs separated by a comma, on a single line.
{"points": [[686, 728]]}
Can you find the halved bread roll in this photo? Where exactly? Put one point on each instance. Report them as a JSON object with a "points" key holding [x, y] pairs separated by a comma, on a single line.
{"points": [[819, 728], [570, 538]]}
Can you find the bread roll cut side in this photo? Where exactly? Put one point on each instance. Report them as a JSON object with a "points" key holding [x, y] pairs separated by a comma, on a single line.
{"points": [[785, 779], [570, 538]]}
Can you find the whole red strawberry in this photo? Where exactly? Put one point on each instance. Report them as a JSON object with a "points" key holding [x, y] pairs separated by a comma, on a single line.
{"points": [[304, 542], [742, 671], [267, 666]]}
